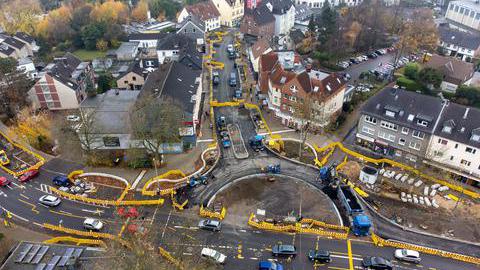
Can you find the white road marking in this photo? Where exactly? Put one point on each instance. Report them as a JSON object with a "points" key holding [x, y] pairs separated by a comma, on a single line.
{"points": [[3, 194], [242, 230], [97, 211], [8, 186], [17, 216], [189, 254], [138, 179], [345, 257], [45, 188], [17, 185], [278, 132], [253, 258], [205, 140], [166, 223]]}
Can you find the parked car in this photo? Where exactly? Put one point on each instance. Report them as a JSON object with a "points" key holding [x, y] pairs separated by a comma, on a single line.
{"points": [[61, 181], [407, 255], [4, 181], [28, 175], [364, 57], [267, 265], [230, 48], [354, 61], [376, 263], [284, 250], [92, 224], [372, 55], [233, 79], [214, 255], [321, 256], [211, 225], [73, 118], [216, 78], [49, 200], [343, 64]]}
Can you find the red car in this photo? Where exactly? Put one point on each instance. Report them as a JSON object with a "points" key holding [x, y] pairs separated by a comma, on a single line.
{"points": [[28, 175], [4, 181]]}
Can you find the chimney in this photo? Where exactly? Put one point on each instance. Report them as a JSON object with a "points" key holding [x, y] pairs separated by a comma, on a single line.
{"points": [[466, 113]]}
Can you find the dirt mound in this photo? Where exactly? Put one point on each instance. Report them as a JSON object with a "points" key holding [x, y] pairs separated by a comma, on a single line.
{"points": [[351, 170]]}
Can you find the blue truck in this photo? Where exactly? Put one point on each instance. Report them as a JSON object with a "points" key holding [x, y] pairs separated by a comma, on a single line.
{"points": [[360, 223], [268, 265]]}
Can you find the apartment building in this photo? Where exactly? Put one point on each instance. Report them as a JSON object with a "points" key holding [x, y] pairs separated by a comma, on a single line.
{"points": [[464, 14]]}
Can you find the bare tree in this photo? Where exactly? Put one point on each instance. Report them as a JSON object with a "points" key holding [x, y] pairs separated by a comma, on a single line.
{"points": [[156, 122], [303, 111]]}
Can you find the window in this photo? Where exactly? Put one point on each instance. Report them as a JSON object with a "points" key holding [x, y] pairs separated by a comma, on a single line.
{"points": [[422, 123], [389, 113], [48, 97], [451, 7], [462, 10], [456, 8], [134, 78], [472, 13], [405, 130], [370, 119], [111, 141], [477, 17], [401, 141], [368, 130], [447, 129], [470, 150], [442, 141], [388, 137], [456, 145], [388, 125], [465, 162], [418, 134], [438, 153], [475, 137], [451, 157], [414, 145]]}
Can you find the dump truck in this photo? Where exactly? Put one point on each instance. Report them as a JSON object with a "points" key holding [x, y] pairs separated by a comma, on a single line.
{"points": [[359, 222]]}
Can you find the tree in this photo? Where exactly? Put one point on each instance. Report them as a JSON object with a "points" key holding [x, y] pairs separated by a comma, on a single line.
{"points": [[411, 71], [156, 122], [19, 15], [430, 77], [105, 82], [468, 95], [312, 27], [86, 133], [55, 27], [91, 33], [7, 65], [327, 23], [303, 112], [14, 86], [164, 8], [139, 13], [110, 12], [81, 17], [101, 45]]}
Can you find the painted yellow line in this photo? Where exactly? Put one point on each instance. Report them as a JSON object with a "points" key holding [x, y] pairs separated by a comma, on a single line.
{"points": [[350, 258], [32, 205], [63, 213], [24, 196]]}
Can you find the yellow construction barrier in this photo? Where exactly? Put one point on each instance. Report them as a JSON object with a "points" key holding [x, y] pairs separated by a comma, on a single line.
{"points": [[215, 103], [298, 228], [77, 241], [73, 174], [206, 213], [84, 233], [393, 163], [455, 256], [145, 187], [325, 158], [165, 254], [313, 222], [215, 64], [175, 204], [36, 166], [341, 165], [105, 202]]}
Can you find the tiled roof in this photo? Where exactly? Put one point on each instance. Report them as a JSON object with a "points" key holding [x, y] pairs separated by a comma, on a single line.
{"points": [[185, 45], [463, 39], [6, 50], [203, 10], [261, 15], [145, 36], [464, 122], [24, 37], [64, 68], [455, 70], [279, 6], [259, 47]]}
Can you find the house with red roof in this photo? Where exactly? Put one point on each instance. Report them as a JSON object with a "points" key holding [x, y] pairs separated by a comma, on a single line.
{"points": [[205, 12]]}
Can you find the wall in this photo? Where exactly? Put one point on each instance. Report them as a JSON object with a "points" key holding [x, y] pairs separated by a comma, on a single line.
{"points": [[284, 22], [127, 81], [146, 43], [448, 87], [229, 14], [62, 96], [453, 13], [162, 54]]}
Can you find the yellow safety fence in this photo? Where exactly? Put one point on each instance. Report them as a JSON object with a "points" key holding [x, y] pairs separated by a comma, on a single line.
{"points": [[36, 166], [155, 178], [313, 222], [215, 64], [298, 228], [84, 233], [175, 204], [73, 174], [77, 241], [165, 254], [206, 213], [326, 157], [341, 165], [377, 240], [393, 163], [105, 202]]}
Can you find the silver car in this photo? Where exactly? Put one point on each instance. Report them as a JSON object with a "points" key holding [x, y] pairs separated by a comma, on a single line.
{"points": [[407, 255], [50, 200], [211, 225]]}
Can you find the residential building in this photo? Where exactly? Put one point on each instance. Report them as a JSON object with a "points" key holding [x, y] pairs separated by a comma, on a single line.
{"points": [[6, 51], [460, 44], [148, 27], [181, 48], [259, 48], [455, 72], [284, 13], [303, 14], [296, 38], [127, 51], [398, 123], [20, 48], [289, 85], [251, 4], [258, 22], [29, 41], [464, 14], [319, 3], [146, 40], [62, 84], [133, 78], [107, 119], [26, 66], [193, 28], [455, 144], [231, 11], [180, 83], [205, 11]]}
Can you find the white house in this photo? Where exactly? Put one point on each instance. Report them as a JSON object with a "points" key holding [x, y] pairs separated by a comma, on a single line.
{"points": [[205, 11], [455, 144], [284, 13], [231, 11], [146, 40], [26, 66], [464, 14], [459, 44]]}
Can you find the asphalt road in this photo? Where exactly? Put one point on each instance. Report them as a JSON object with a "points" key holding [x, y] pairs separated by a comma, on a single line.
{"points": [[244, 246], [356, 69]]}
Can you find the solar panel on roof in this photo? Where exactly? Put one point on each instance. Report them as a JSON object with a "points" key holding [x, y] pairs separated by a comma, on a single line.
{"points": [[32, 254], [40, 266], [66, 256], [53, 262], [40, 254], [23, 253]]}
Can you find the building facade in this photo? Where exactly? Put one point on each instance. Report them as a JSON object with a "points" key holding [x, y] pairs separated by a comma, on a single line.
{"points": [[231, 11], [464, 14], [205, 11], [459, 44], [284, 13], [258, 22]]}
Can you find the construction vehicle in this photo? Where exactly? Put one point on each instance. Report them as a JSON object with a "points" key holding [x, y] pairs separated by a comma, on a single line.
{"points": [[221, 123], [197, 180], [256, 142], [4, 158], [272, 168], [359, 222], [329, 175]]}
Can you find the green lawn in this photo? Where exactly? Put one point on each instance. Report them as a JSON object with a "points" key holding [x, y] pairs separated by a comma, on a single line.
{"points": [[86, 55]]}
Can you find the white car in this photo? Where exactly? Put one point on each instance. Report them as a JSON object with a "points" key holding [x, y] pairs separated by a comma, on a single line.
{"points": [[407, 255], [214, 255], [364, 57], [92, 224], [73, 118], [49, 200], [230, 47]]}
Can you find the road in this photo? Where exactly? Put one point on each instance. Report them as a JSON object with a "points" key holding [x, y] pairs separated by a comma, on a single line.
{"points": [[356, 69], [178, 231]]}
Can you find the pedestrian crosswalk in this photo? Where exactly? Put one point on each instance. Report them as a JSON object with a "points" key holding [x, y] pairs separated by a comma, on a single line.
{"points": [[45, 188]]}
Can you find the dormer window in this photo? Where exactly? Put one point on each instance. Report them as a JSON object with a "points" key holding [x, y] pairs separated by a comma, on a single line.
{"points": [[447, 129], [422, 123], [390, 113], [293, 88], [475, 137]]}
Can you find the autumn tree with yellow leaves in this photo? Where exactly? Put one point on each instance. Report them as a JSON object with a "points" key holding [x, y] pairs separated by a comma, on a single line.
{"points": [[34, 128]]}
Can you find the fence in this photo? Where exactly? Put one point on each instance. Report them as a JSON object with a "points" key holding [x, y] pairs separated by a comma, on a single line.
{"points": [[175, 204], [165, 254], [36, 166], [84, 233], [206, 213], [105, 202], [455, 256], [77, 241], [295, 228]]}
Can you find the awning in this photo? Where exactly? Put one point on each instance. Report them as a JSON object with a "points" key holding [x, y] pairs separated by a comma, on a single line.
{"points": [[366, 138]]}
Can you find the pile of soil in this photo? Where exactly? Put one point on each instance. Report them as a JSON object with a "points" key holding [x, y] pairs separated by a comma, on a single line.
{"points": [[351, 169], [291, 151]]}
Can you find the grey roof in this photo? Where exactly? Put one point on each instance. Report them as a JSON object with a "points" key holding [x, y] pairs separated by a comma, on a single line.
{"points": [[463, 39], [145, 36], [297, 36], [303, 12], [34, 255], [5, 49], [405, 103], [460, 118], [112, 110], [14, 43], [185, 45], [261, 15], [191, 20], [24, 37], [279, 6], [132, 67], [127, 47], [64, 69]]}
